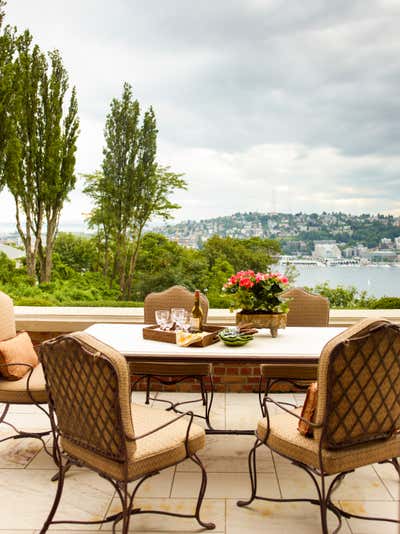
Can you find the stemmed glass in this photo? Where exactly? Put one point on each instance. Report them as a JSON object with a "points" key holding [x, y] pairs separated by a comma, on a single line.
{"points": [[162, 318], [181, 318]]}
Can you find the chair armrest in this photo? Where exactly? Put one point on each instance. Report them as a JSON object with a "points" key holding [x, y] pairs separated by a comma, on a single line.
{"points": [[161, 427], [290, 412], [31, 368]]}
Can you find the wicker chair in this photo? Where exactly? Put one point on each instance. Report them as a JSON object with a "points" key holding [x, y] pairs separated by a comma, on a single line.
{"points": [[306, 309], [89, 397], [174, 373], [30, 389], [357, 418]]}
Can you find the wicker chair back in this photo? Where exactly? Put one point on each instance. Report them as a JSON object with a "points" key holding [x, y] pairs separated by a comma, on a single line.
{"points": [[173, 297], [359, 384], [88, 385], [306, 309]]}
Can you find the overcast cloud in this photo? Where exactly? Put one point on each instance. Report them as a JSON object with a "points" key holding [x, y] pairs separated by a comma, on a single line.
{"points": [[263, 104]]}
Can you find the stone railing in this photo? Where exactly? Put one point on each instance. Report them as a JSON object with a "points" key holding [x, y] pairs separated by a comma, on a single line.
{"points": [[44, 323], [57, 319]]}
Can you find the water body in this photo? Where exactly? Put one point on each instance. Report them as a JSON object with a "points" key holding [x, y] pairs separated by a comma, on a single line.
{"points": [[377, 280]]}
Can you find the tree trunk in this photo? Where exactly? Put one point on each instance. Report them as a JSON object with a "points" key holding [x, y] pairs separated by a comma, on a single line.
{"points": [[47, 256], [132, 266]]}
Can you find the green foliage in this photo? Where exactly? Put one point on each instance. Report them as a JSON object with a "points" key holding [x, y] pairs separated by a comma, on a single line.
{"points": [[253, 253], [163, 263], [387, 303], [131, 189], [344, 297], [37, 143], [77, 252]]}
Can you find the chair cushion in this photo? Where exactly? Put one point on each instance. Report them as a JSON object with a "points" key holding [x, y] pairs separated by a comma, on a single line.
{"points": [[308, 410], [285, 439], [7, 319], [162, 449], [15, 392], [18, 349], [170, 369]]}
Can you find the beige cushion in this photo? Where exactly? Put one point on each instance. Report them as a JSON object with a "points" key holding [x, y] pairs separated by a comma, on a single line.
{"points": [[308, 410], [18, 349], [285, 439], [15, 391], [171, 369], [157, 451], [7, 320]]}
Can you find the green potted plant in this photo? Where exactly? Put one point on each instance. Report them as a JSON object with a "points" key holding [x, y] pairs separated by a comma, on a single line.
{"points": [[259, 297]]}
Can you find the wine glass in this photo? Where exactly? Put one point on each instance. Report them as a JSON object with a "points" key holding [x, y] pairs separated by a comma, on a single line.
{"points": [[162, 318], [178, 315], [185, 321]]}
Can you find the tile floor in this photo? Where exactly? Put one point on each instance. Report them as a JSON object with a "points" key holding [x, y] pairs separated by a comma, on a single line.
{"points": [[26, 492]]}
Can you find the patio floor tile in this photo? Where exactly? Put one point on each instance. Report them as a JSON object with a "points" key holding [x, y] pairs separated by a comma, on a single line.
{"points": [[25, 472]]}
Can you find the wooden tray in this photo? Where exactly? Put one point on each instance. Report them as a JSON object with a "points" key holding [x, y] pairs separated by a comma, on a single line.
{"points": [[153, 332]]}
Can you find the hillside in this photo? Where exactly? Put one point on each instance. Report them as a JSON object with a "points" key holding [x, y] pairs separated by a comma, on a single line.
{"points": [[296, 232]]}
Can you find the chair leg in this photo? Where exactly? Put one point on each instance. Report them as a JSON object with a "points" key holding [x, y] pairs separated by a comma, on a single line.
{"points": [[263, 393], [396, 465], [126, 509], [252, 465], [323, 507], [209, 403], [3, 415], [203, 487], [148, 390], [203, 391], [57, 498]]}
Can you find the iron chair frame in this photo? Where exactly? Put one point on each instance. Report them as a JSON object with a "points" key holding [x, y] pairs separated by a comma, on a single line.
{"points": [[324, 500], [309, 370], [65, 460], [20, 434], [206, 398]]}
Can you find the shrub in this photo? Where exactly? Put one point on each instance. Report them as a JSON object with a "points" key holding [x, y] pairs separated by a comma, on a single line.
{"points": [[387, 303]]}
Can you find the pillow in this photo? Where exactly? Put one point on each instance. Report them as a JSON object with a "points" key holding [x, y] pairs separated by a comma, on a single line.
{"points": [[18, 349], [308, 410]]}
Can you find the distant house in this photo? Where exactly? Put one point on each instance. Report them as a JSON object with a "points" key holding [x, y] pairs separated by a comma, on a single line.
{"points": [[12, 253]]}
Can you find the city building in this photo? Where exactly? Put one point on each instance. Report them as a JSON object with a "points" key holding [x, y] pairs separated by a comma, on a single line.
{"points": [[326, 250]]}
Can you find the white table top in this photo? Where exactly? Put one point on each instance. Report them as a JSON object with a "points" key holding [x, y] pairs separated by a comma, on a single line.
{"points": [[293, 344]]}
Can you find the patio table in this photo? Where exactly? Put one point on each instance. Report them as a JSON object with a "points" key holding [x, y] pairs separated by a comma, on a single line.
{"points": [[293, 345]]}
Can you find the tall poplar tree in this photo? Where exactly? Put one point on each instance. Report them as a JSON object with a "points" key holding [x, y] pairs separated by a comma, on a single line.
{"points": [[7, 49], [131, 189], [40, 151]]}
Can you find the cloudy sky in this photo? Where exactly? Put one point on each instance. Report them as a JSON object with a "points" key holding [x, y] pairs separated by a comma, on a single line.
{"points": [[262, 104]]}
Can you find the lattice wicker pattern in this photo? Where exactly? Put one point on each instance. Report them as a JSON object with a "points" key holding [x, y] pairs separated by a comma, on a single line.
{"points": [[363, 397], [83, 387]]}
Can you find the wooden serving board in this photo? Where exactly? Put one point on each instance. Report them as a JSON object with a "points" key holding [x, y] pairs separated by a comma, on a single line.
{"points": [[169, 336]]}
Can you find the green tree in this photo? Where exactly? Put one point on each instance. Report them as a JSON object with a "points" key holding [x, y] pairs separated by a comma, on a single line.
{"points": [[253, 253], [40, 151], [131, 189], [7, 49], [77, 252], [344, 297]]}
